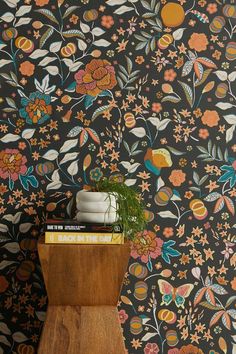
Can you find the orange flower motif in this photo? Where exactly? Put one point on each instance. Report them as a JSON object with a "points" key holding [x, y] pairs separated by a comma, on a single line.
{"points": [[139, 59], [98, 75], [188, 195], [27, 68], [212, 8], [107, 21], [170, 75], [156, 107], [216, 54], [198, 42], [203, 133], [37, 108], [177, 177], [210, 118], [190, 349], [74, 19], [202, 3], [41, 3], [168, 232]]}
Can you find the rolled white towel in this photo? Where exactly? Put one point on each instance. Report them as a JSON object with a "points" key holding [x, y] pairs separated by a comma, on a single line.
{"points": [[100, 218], [87, 196], [94, 207]]}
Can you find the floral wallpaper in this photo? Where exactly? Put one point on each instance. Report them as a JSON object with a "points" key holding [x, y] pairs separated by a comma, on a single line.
{"points": [[143, 89]]}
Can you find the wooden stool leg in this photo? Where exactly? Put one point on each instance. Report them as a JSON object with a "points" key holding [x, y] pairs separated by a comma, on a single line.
{"points": [[83, 284], [82, 330]]}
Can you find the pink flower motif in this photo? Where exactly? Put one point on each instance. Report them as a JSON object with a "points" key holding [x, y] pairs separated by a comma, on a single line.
{"points": [[173, 351], [151, 348], [122, 316], [146, 244], [12, 164]]}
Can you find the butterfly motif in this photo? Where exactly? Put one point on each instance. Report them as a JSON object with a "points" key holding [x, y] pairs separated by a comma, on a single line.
{"points": [[178, 295]]}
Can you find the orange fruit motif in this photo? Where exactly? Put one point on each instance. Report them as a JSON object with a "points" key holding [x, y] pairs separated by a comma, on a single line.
{"points": [[165, 41], [140, 290], [24, 271], [163, 196], [172, 15], [198, 208], [136, 325], [231, 51], [167, 316], [221, 90], [24, 44], [90, 15], [138, 270], [25, 349], [171, 338], [130, 121], [68, 50], [149, 215]]}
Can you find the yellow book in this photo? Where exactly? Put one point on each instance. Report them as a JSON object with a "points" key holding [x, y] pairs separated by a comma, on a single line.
{"points": [[84, 238]]}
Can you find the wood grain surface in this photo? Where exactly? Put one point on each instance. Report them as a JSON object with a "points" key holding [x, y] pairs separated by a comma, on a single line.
{"points": [[82, 330], [83, 283], [83, 274]]}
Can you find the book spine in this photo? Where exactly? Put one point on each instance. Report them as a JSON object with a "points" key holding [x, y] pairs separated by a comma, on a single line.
{"points": [[84, 238], [63, 228]]}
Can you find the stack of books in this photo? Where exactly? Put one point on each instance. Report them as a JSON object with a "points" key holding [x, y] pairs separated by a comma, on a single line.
{"points": [[70, 231]]}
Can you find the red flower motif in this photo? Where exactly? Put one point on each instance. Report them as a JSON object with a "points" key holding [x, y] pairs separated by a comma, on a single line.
{"points": [[99, 75], [146, 244], [12, 164], [151, 348], [122, 316]]}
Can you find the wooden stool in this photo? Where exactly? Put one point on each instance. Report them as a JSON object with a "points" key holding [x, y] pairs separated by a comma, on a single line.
{"points": [[83, 283]]}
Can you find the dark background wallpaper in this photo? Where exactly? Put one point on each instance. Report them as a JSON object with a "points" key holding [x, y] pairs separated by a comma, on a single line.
{"points": [[143, 89]]}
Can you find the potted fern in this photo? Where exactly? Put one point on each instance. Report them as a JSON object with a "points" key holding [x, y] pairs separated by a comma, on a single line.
{"points": [[111, 201]]}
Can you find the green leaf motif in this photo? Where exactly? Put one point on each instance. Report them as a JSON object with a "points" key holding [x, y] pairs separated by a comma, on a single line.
{"points": [[210, 306], [45, 37], [170, 98], [204, 77], [188, 92], [74, 132], [48, 14], [69, 11], [230, 300], [73, 33], [99, 111], [175, 151]]}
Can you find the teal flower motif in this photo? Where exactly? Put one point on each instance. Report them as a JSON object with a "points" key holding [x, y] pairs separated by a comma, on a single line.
{"points": [[96, 174], [37, 108]]}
